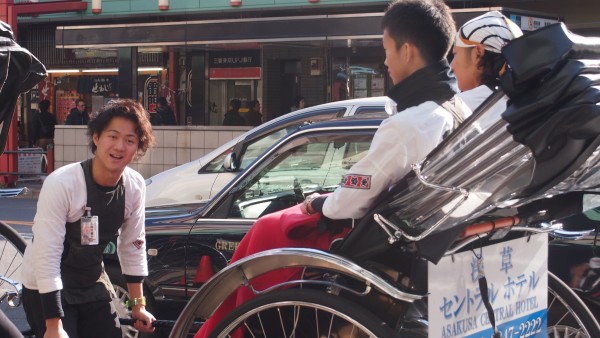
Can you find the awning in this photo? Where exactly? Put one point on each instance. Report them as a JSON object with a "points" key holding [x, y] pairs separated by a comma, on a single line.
{"points": [[255, 30], [333, 29]]}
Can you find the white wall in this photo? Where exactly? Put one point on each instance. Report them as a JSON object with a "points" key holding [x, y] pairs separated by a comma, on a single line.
{"points": [[175, 145]]}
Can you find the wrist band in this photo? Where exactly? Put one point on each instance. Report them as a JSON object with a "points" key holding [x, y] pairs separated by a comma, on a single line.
{"points": [[136, 301]]}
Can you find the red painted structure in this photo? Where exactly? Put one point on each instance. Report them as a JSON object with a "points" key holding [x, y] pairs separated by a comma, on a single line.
{"points": [[9, 11]]}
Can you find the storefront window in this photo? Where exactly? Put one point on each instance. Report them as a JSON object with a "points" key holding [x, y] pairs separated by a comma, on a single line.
{"points": [[233, 75], [221, 92], [95, 90], [356, 77]]}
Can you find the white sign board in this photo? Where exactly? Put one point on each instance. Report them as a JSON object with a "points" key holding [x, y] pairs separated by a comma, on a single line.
{"points": [[517, 280], [30, 160], [531, 23]]}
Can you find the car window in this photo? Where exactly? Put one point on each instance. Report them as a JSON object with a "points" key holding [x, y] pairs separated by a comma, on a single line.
{"points": [[316, 165], [373, 111], [216, 165], [257, 147]]}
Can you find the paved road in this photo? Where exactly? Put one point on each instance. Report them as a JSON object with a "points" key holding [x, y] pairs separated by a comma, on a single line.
{"points": [[18, 213]]}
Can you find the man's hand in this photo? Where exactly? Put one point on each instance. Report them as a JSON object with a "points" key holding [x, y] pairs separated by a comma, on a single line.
{"points": [[306, 207], [54, 329], [144, 318]]}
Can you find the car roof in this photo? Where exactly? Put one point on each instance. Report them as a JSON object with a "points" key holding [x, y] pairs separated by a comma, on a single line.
{"points": [[314, 111], [345, 122], [301, 113]]}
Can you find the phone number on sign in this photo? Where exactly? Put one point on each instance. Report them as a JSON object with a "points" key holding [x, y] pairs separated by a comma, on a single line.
{"points": [[532, 325], [529, 328]]}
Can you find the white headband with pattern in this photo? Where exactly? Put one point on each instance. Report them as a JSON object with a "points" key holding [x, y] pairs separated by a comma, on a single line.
{"points": [[492, 30]]}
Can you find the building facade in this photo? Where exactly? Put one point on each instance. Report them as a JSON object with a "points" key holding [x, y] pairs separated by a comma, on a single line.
{"points": [[201, 54]]}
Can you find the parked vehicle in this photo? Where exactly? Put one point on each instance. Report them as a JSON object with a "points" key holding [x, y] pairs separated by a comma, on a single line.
{"points": [[198, 181], [187, 246]]}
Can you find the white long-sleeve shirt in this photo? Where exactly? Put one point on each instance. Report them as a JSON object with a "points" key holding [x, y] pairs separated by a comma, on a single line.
{"points": [[62, 199], [474, 97], [400, 141]]}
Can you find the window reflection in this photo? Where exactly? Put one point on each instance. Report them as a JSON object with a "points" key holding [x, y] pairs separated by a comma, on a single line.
{"points": [[354, 78], [315, 165]]}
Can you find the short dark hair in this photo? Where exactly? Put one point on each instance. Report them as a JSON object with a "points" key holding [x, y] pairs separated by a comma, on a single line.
{"points": [[235, 104], [130, 110], [491, 64], [427, 24], [253, 104], [79, 100], [44, 105], [297, 101], [162, 100]]}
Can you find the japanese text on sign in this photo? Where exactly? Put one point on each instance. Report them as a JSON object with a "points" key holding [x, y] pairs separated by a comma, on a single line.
{"points": [[516, 273]]}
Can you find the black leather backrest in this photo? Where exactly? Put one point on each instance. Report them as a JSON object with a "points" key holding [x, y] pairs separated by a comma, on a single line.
{"points": [[19, 72]]}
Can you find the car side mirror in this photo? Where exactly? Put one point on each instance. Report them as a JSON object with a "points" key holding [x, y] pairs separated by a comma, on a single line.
{"points": [[229, 162]]}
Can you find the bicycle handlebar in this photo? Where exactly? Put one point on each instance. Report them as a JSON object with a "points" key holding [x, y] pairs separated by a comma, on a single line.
{"points": [[156, 323]]}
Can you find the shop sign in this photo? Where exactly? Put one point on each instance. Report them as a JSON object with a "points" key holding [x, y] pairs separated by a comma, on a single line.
{"points": [[235, 73], [151, 93], [517, 281], [242, 64], [30, 160], [94, 84], [234, 59], [531, 23], [101, 85], [94, 53]]}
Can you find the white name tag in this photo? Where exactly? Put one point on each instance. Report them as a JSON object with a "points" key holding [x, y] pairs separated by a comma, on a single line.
{"points": [[89, 230]]}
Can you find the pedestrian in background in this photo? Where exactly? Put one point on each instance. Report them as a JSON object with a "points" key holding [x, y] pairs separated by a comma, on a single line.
{"points": [[167, 116], [254, 116], [233, 117], [78, 115], [43, 125], [299, 103], [81, 207]]}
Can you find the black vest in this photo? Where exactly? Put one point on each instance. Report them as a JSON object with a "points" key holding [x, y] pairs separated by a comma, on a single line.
{"points": [[82, 269]]}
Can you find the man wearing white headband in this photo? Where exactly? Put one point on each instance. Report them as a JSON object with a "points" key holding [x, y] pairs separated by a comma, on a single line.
{"points": [[478, 62]]}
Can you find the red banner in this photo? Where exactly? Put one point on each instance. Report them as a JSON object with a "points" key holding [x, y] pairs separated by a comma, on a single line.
{"points": [[235, 73]]}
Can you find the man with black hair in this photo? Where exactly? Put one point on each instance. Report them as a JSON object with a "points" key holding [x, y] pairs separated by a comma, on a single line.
{"points": [[43, 125], [477, 59], [254, 117], [81, 207], [78, 115], [166, 114], [299, 103], [417, 35], [233, 117]]}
